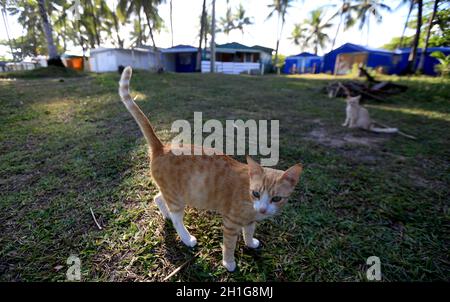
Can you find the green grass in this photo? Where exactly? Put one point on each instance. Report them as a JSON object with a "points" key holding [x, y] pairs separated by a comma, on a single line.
{"points": [[66, 147], [39, 73]]}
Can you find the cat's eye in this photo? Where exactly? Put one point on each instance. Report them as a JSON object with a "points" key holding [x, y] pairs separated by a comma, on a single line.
{"points": [[255, 194], [276, 199]]}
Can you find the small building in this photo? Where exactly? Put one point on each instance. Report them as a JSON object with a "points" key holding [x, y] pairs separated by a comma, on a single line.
{"points": [[236, 58], [74, 62], [180, 58], [109, 59], [400, 60], [341, 60], [304, 62]]}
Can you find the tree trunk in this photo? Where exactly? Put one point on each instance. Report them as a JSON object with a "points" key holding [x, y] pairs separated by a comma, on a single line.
{"points": [[275, 60], [413, 54], [4, 15], [202, 28], [368, 29], [48, 31], [411, 6], [171, 23], [425, 48], [155, 49], [117, 28], [94, 20], [213, 37], [337, 31], [139, 42]]}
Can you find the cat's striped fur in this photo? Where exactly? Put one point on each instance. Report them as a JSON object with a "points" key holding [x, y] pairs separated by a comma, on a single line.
{"points": [[241, 193]]}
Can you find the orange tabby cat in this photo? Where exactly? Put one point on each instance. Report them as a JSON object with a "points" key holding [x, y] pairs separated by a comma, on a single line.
{"points": [[242, 194]]}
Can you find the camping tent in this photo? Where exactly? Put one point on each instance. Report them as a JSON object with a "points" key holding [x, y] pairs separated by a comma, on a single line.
{"points": [[341, 60], [401, 59], [302, 63]]}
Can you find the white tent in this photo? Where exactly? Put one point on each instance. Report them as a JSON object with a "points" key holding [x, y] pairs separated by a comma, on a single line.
{"points": [[109, 59]]}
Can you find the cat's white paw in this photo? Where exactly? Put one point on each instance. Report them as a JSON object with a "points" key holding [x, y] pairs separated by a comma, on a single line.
{"points": [[344, 125], [253, 244], [190, 242], [230, 266]]}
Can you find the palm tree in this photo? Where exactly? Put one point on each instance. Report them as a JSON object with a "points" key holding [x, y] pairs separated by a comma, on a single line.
{"points": [[411, 6], [171, 23], [241, 19], [48, 31], [234, 21], [298, 35], [114, 19], [279, 7], [427, 39], [202, 29], [367, 8], [345, 15], [5, 22], [413, 54], [226, 24], [315, 28]]}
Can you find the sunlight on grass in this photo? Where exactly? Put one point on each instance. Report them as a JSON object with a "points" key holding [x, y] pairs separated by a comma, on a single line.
{"points": [[416, 111]]}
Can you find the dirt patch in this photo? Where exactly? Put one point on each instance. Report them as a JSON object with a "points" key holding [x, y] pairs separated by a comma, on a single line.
{"points": [[321, 136]]}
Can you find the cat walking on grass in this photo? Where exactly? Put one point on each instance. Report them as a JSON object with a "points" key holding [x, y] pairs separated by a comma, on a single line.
{"points": [[242, 193]]}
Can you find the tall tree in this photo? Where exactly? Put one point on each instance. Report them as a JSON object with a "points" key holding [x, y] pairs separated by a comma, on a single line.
{"points": [[365, 9], [213, 37], [241, 19], [411, 6], [427, 39], [202, 28], [235, 20], [48, 31], [280, 8], [298, 35], [5, 22], [316, 29], [344, 13], [413, 53], [171, 21]]}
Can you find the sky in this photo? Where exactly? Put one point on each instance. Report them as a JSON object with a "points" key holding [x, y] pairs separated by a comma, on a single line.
{"points": [[186, 16]]}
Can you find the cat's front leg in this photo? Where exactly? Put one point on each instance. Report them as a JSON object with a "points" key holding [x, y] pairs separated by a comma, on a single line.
{"points": [[346, 122], [248, 232], [352, 123], [230, 236]]}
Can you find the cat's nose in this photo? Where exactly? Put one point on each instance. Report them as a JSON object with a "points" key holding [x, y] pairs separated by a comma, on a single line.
{"points": [[263, 210]]}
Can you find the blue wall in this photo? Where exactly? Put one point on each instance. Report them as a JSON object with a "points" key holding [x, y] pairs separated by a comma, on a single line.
{"points": [[376, 57], [306, 59], [402, 57]]}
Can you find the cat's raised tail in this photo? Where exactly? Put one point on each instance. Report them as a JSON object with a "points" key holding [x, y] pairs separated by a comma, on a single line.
{"points": [[153, 141]]}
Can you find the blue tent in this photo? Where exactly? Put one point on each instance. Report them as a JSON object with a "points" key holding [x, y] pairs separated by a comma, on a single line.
{"points": [[401, 59], [302, 63], [375, 57]]}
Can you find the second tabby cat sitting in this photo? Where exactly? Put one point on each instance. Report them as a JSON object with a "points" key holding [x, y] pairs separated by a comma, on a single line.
{"points": [[242, 193]]}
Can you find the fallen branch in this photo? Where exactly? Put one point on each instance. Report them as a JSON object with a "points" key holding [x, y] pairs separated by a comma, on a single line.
{"points": [[95, 220], [175, 271]]}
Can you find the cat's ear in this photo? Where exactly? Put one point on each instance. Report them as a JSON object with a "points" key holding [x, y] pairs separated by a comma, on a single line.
{"points": [[254, 169], [292, 174], [358, 98]]}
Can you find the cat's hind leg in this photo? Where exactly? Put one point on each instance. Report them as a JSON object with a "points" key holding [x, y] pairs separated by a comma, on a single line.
{"points": [[176, 213], [248, 232], [162, 206]]}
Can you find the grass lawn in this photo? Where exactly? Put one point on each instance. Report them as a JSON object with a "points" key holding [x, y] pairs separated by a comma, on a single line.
{"points": [[70, 145]]}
